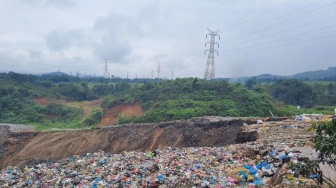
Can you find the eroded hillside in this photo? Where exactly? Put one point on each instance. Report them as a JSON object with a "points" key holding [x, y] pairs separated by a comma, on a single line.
{"points": [[18, 148]]}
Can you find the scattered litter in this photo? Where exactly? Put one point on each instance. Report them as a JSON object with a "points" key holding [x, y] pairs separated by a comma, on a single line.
{"points": [[251, 164]]}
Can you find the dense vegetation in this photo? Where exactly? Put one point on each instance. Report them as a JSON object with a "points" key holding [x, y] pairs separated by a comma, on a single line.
{"points": [[17, 92], [16, 106], [190, 97], [324, 144], [319, 75], [295, 92], [162, 99]]}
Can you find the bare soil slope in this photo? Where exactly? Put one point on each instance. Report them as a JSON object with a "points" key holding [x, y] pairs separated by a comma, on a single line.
{"points": [[111, 116], [87, 106], [33, 147]]}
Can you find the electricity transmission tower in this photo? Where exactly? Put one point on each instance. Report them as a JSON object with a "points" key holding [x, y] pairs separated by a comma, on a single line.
{"points": [[209, 73], [106, 73], [159, 70]]}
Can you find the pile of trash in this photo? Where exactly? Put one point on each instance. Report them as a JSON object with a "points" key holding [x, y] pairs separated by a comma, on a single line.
{"points": [[271, 161], [309, 117], [17, 127], [289, 132], [240, 164]]}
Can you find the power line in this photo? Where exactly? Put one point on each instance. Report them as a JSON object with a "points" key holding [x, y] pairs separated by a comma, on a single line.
{"points": [[328, 36], [293, 12], [106, 73], [282, 38], [159, 70], [238, 36], [290, 29], [249, 19], [290, 12]]}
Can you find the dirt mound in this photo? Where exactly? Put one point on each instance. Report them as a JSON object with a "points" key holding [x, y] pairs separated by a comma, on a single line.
{"points": [[12, 142], [197, 132], [93, 103], [111, 116], [42, 101], [86, 106]]}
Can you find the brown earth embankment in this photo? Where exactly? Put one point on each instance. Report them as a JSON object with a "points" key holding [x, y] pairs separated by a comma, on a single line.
{"points": [[111, 116], [30, 147]]}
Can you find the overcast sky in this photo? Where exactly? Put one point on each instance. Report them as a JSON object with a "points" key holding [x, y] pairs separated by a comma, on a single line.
{"points": [[257, 36]]}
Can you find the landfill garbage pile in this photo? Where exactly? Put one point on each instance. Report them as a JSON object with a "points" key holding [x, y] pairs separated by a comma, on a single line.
{"points": [[288, 132], [171, 167], [271, 161], [21, 148]]}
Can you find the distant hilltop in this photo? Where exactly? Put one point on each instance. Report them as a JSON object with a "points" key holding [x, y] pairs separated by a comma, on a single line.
{"points": [[315, 75], [325, 75], [55, 74]]}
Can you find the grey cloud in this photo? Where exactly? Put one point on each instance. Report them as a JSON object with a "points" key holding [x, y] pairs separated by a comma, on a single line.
{"points": [[112, 49], [159, 57], [117, 31], [35, 54], [169, 63], [175, 29], [148, 17], [109, 38], [148, 13], [117, 24], [59, 40], [62, 3], [56, 3]]}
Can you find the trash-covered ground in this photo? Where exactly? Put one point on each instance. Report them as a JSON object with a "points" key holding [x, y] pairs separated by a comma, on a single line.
{"points": [[17, 127], [271, 162]]}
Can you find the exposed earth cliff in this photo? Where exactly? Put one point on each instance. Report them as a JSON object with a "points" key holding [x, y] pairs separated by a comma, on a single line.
{"points": [[19, 148]]}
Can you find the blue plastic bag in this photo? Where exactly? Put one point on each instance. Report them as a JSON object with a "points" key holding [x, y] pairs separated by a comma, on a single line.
{"points": [[258, 181]]}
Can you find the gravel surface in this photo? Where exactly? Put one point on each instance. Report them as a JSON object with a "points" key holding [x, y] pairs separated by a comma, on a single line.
{"points": [[18, 127], [4, 131]]}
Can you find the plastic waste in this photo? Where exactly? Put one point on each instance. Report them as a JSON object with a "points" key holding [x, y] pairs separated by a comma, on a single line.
{"points": [[313, 176]]}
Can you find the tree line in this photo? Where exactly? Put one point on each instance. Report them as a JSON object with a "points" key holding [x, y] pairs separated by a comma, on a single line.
{"points": [[162, 99]]}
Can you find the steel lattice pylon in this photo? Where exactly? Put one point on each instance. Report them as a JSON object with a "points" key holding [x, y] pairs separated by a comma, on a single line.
{"points": [[209, 73]]}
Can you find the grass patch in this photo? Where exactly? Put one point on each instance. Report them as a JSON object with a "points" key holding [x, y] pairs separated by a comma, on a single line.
{"points": [[290, 110]]}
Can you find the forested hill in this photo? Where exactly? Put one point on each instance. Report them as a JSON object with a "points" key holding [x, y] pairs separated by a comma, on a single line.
{"points": [[329, 74], [192, 97], [318, 75], [161, 100]]}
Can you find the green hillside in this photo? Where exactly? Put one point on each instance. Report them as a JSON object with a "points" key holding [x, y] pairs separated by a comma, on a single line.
{"points": [[329, 74], [319, 75], [191, 97], [162, 100], [17, 106]]}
